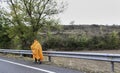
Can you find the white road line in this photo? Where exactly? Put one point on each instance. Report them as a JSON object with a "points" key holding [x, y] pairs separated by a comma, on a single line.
{"points": [[43, 70]]}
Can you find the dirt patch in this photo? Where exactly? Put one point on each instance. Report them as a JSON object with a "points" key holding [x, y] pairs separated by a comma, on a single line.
{"points": [[87, 66]]}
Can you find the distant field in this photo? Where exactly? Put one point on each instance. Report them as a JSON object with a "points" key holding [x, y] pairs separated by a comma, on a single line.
{"points": [[91, 30]]}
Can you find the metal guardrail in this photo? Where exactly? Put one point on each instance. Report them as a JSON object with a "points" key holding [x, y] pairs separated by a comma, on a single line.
{"points": [[80, 55]]}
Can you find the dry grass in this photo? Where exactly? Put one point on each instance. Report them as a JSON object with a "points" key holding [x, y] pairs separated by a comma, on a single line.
{"points": [[105, 51], [88, 66]]}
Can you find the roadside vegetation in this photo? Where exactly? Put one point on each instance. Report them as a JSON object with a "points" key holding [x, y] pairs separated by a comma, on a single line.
{"points": [[26, 20], [82, 37]]}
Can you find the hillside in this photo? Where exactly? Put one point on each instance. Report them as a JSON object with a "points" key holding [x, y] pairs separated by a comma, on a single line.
{"points": [[91, 30], [83, 37]]}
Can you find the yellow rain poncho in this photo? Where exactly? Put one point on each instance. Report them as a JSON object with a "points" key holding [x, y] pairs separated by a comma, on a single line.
{"points": [[37, 50]]}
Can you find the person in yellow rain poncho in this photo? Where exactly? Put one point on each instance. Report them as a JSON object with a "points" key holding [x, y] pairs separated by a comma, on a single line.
{"points": [[37, 52]]}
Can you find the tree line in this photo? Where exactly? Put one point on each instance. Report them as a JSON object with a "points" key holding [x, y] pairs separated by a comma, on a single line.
{"points": [[73, 42]]}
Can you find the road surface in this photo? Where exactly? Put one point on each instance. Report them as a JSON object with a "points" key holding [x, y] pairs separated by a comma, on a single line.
{"points": [[13, 65]]}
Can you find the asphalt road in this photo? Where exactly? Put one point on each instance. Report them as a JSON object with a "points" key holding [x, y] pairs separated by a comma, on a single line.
{"points": [[12, 65]]}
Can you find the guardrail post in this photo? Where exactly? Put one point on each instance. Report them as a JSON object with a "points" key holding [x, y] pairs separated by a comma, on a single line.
{"points": [[112, 67], [21, 55], [49, 58]]}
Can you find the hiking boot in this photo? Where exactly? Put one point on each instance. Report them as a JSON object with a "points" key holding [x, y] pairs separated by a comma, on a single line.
{"points": [[39, 62]]}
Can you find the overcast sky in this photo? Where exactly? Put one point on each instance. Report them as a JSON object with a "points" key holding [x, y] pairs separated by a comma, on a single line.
{"points": [[92, 12]]}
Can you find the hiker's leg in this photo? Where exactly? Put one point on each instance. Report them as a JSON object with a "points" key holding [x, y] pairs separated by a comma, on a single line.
{"points": [[35, 60], [39, 61]]}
